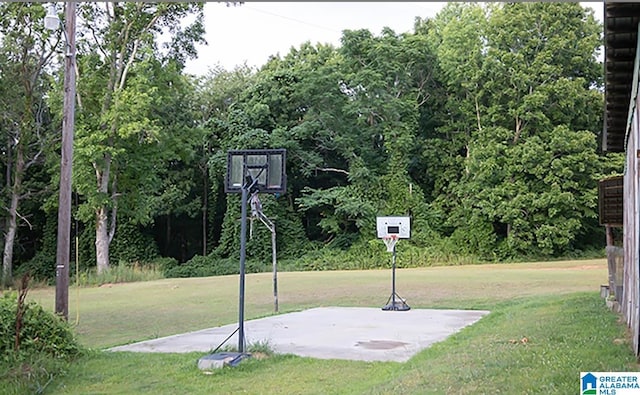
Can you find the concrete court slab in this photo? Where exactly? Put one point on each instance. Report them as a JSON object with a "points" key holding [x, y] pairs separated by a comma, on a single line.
{"points": [[351, 333]]}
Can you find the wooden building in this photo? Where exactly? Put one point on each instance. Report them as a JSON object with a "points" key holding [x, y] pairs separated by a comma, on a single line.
{"points": [[621, 133]]}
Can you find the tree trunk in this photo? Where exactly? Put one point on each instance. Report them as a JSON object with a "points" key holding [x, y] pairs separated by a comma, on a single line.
{"points": [[102, 221], [102, 240], [167, 233], [9, 238], [205, 209], [12, 220]]}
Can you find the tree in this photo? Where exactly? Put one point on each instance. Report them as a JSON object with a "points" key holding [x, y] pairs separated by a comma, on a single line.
{"points": [[217, 93], [26, 50], [120, 145], [383, 81], [528, 181]]}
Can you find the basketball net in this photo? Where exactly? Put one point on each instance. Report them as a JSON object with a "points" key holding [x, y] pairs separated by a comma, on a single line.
{"points": [[390, 241]]}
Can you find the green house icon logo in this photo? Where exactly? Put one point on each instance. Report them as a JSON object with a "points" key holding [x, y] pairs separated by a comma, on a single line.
{"points": [[589, 383]]}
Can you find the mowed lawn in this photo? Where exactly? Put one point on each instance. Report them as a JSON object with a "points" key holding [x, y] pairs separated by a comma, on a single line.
{"points": [[554, 306], [123, 313]]}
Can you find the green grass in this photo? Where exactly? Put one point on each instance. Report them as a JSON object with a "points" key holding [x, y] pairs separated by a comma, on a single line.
{"points": [[566, 335], [555, 305], [115, 314]]}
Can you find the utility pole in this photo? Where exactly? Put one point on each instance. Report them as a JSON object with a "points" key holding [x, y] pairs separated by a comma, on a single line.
{"points": [[66, 162]]}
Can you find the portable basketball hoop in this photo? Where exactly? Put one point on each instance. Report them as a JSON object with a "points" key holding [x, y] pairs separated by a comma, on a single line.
{"points": [[390, 230], [253, 171]]}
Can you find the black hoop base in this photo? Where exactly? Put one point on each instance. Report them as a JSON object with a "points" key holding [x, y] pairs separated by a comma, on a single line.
{"points": [[396, 303]]}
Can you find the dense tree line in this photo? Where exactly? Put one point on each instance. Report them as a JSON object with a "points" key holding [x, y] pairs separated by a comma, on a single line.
{"points": [[482, 125]]}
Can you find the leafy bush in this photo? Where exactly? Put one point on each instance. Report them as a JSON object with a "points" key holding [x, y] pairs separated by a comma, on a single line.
{"points": [[164, 264], [362, 255], [372, 254], [214, 265], [46, 346], [41, 332], [203, 266], [41, 267]]}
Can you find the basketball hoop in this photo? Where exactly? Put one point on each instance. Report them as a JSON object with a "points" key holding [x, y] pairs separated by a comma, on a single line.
{"points": [[390, 230], [390, 241]]}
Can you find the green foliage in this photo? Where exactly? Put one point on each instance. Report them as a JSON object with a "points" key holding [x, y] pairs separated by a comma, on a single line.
{"points": [[41, 331], [291, 240], [372, 254], [26, 133], [527, 181], [42, 266], [214, 265], [202, 266], [132, 245], [482, 125], [137, 126], [46, 347]]}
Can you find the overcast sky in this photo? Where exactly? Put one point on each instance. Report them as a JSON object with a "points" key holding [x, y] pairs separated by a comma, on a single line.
{"points": [[256, 30]]}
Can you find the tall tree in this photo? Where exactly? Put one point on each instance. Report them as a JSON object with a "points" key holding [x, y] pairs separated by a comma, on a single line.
{"points": [[381, 82], [217, 95], [119, 139], [528, 180], [24, 54]]}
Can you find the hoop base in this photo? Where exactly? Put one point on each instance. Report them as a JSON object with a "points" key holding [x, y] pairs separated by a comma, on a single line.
{"points": [[396, 303]]}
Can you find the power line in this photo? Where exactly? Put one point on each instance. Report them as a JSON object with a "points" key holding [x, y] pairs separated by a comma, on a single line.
{"points": [[292, 19]]}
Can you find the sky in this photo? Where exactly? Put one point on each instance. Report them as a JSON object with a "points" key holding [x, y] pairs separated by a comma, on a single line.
{"points": [[253, 31]]}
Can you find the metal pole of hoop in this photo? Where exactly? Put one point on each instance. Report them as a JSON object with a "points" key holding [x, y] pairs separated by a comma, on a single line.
{"points": [[393, 304], [393, 272]]}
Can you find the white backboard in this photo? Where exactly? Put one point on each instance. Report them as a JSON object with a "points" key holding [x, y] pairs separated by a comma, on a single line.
{"points": [[389, 226]]}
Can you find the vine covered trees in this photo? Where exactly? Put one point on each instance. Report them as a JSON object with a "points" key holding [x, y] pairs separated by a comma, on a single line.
{"points": [[481, 125]]}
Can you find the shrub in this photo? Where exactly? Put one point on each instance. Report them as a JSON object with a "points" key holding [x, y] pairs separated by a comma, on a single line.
{"points": [[41, 267], [41, 331], [45, 348], [203, 266]]}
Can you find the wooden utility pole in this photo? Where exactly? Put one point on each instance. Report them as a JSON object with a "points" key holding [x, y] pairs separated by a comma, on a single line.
{"points": [[66, 162]]}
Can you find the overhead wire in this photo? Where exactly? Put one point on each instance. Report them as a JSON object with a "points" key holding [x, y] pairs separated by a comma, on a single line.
{"points": [[292, 19]]}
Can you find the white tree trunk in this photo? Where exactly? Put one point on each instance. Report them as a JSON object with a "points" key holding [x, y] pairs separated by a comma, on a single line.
{"points": [[9, 238], [12, 221], [102, 240]]}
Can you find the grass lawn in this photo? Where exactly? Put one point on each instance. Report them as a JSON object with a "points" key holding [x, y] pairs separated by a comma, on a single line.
{"points": [[554, 305]]}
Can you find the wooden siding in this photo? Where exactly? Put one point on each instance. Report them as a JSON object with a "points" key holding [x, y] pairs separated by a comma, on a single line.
{"points": [[610, 201], [629, 304]]}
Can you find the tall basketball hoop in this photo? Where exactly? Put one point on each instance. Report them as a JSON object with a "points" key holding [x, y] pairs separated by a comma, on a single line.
{"points": [[252, 171], [391, 230]]}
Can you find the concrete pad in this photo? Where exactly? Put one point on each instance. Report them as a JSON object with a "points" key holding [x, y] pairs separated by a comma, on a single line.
{"points": [[352, 333]]}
